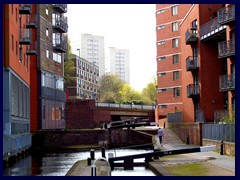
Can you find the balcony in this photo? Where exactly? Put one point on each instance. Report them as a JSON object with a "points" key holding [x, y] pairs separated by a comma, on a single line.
{"points": [[212, 30], [227, 82], [226, 15], [31, 21], [25, 37], [191, 36], [191, 63], [32, 49], [62, 8], [53, 94], [25, 9], [193, 91], [226, 49], [60, 46], [60, 25]]}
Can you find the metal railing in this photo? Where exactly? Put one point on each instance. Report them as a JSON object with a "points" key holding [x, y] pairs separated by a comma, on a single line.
{"points": [[25, 36], [226, 48], [227, 82], [209, 28], [51, 93], [219, 132], [191, 35], [125, 106], [61, 7], [60, 45], [191, 63], [32, 49], [61, 23], [193, 90], [25, 8], [226, 14], [31, 21]]}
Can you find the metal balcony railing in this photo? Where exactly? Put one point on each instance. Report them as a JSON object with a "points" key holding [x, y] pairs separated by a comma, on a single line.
{"points": [[25, 37], [60, 7], [31, 21], [60, 46], [226, 15], [191, 36], [191, 63], [193, 90], [60, 24], [55, 94], [226, 48], [211, 28], [32, 49], [227, 82], [25, 9]]}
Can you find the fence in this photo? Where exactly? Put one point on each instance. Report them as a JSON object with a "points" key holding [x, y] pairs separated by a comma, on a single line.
{"points": [[176, 117], [219, 132]]}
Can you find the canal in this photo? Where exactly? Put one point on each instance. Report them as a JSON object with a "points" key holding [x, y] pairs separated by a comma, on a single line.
{"points": [[58, 164]]}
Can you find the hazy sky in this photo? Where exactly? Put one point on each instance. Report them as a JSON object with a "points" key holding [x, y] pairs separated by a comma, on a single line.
{"points": [[124, 26]]}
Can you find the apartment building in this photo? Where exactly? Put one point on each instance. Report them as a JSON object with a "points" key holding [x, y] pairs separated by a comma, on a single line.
{"points": [[207, 60], [17, 44], [169, 69], [117, 61], [92, 49], [87, 77], [47, 68]]}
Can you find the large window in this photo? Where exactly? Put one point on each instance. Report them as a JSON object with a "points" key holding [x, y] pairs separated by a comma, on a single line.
{"points": [[175, 26], [176, 92], [57, 57], [175, 43], [174, 10], [47, 53], [176, 75], [175, 59]]}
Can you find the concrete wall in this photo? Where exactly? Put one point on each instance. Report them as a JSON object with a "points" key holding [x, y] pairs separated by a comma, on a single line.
{"points": [[194, 130], [228, 147]]}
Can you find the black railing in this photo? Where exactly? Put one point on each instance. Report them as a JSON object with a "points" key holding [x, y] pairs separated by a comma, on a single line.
{"points": [[31, 21], [32, 49], [54, 94], [227, 82], [226, 48], [191, 36], [60, 24], [61, 7], [60, 46], [191, 63], [25, 9], [226, 15], [25, 36], [193, 90]]}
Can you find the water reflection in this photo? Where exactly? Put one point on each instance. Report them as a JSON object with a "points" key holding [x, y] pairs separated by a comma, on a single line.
{"points": [[58, 164]]}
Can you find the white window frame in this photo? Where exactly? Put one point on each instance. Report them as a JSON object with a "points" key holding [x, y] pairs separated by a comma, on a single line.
{"points": [[174, 10], [176, 92], [161, 43], [174, 26], [175, 43]]}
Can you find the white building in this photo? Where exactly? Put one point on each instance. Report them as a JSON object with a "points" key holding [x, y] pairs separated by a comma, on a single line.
{"points": [[117, 61], [92, 49]]}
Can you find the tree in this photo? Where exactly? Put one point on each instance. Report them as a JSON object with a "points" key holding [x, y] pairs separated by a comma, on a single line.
{"points": [[69, 67], [109, 87], [129, 95], [150, 92]]}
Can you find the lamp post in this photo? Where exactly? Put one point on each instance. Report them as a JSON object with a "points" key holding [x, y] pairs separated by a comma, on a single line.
{"points": [[78, 52]]}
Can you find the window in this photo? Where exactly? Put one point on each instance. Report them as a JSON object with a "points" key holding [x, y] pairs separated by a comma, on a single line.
{"points": [[21, 53], [46, 31], [16, 48], [57, 57], [161, 42], [162, 90], [162, 74], [162, 106], [46, 9], [160, 11], [175, 26], [175, 43], [175, 59], [174, 10], [176, 92], [161, 27], [47, 53], [12, 43], [175, 75]]}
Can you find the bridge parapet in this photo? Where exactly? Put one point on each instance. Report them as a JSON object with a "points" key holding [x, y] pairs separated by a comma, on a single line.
{"points": [[125, 106]]}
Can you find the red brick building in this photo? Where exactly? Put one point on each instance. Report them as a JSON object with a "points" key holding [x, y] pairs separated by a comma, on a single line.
{"points": [[207, 64]]}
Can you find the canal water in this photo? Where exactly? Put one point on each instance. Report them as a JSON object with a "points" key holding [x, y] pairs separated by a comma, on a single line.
{"points": [[58, 164]]}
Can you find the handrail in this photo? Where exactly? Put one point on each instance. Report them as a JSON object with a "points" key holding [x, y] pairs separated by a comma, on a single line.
{"points": [[93, 168]]}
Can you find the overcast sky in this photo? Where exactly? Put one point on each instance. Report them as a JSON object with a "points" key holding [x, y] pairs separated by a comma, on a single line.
{"points": [[124, 26]]}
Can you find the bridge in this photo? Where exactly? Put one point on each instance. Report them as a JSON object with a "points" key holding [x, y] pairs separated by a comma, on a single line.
{"points": [[127, 110]]}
